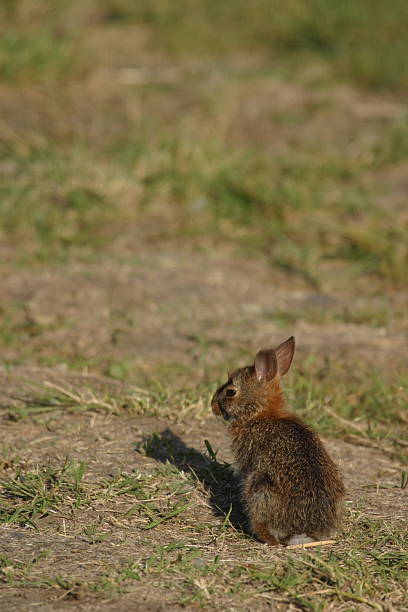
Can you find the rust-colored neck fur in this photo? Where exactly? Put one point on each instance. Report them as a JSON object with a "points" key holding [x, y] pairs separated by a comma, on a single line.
{"points": [[270, 406], [275, 406]]}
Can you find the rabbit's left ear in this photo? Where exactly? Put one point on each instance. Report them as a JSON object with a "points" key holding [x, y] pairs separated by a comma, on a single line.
{"points": [[266, 365], [284, 355]]}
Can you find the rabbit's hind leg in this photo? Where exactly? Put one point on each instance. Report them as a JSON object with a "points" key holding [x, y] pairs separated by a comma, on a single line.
{"points": [[260, 529]]}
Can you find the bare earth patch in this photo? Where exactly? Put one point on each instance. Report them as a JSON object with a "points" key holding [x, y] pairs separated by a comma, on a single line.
{"points": [[186, 319], [165, 307]]}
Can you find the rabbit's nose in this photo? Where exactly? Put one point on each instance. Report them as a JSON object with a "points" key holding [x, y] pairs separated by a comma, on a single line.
{"points": [[215, 407]]}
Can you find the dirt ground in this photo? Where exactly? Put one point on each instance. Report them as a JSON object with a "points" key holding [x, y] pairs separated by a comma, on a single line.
{"points": [[172, 298]]}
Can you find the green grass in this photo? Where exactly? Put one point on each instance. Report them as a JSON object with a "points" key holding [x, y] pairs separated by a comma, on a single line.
{"points": [[353, 402], [34, 56], [195, 571], [350, 38], [75, 181], [50, 205], [298, 210], [30, 496]]}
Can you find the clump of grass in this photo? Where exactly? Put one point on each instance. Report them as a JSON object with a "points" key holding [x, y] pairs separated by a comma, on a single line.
{"points": [[53, 398], [147, 500], [156, 400], [34, 56], [58, 210], [30, 496]]}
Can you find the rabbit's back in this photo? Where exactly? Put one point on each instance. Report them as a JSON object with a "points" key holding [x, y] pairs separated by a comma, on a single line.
{"points": [[272, 444], [289, 478]]}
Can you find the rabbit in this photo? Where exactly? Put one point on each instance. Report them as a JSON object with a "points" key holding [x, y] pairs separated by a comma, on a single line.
{"points": [[292, 491]]}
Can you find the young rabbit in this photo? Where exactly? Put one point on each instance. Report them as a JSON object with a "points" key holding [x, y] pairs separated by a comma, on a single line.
{"points": [[292, 490]]}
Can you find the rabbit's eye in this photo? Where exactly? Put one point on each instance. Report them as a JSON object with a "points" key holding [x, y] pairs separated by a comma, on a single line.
{"points": [[230, 392]]}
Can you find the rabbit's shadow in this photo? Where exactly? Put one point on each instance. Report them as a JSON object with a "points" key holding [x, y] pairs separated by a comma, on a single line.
{"points": [[217, 478]]}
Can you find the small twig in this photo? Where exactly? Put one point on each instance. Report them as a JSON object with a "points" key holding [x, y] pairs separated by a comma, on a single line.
{"points": [[310, 544]]}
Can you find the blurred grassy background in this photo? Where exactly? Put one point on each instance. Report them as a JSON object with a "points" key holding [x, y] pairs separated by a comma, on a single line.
{"points": [[251, 124], [353, 39]]}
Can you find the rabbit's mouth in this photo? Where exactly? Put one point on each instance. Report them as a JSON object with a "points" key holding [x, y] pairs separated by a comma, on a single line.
{"points": [[225, 414], [219, 410]]}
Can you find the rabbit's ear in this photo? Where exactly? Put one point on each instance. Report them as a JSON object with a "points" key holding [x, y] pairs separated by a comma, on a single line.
{"points": [[284, 355], [266, 365]]}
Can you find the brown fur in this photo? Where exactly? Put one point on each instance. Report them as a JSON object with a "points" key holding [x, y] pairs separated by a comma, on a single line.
{"points": [[290, 484]]}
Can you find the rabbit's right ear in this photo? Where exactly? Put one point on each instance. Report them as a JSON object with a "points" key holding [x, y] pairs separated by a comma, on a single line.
{"points": [[266, 365], [284, 355]]}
